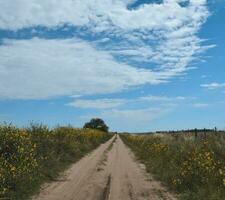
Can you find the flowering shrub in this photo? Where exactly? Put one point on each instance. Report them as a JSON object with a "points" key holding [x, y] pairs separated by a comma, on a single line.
{"points": [[36, 154], [196, 169], [17, 158], [201, 167]]}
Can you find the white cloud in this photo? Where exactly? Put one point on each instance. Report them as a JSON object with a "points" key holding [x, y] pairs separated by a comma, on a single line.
{"points": [[200, 105], [130, 119], [107, 103], [163, 98], [213, 86], [126, 116], [155, 98], [38, 68], [131, 115], [162, 35], [204, 76], [76, 96], [16, 14], [97, 103]]}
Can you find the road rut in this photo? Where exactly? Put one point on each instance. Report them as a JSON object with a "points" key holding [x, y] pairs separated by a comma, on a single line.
{"points": [[108, 173]]}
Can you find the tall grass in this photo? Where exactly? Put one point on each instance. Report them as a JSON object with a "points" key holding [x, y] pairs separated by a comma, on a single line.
{"points": [[31, 156], [193, 167]]}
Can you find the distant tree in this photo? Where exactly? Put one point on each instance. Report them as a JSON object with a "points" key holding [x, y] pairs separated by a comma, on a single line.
{"points": [[97, 123]]}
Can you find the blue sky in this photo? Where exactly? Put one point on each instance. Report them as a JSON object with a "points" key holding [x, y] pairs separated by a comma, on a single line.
{"points": [[141, 65]]}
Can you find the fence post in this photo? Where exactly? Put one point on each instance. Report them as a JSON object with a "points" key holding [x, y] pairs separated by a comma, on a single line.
{"points": [[205, 133], [215, 130], [196, 133]]}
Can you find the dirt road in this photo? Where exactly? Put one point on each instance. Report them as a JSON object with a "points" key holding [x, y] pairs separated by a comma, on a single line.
{"points": [[108, 173]]}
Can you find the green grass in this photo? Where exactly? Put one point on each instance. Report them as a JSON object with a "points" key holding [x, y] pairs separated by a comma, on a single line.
{"points": [[192, 167], [31, 156]]}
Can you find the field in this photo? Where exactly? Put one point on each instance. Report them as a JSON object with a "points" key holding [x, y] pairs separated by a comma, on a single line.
{"points": [[180, 165], [191, 165], [34, 155]]}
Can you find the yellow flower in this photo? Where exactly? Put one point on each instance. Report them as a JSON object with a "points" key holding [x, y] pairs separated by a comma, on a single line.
{"points": [[220, 171], [13, 168]]}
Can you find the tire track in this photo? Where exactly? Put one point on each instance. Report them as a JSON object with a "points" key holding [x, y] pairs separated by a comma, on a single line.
{"points": [[108, 173], [106, 191], [77, 185]]}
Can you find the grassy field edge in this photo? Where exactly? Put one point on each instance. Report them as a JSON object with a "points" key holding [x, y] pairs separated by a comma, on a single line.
{"points": [[32, 156], [193, 168]]}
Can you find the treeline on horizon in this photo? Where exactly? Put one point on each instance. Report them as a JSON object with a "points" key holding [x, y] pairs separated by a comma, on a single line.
{"points": [[187, 131]]}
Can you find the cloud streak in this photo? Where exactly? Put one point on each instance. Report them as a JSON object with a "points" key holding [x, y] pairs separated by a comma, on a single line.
{"points": [[100, 15], [115, 46], [40, 69], [109, 103], [213, 86], [97, 103], [135, 119], [200, 105]]}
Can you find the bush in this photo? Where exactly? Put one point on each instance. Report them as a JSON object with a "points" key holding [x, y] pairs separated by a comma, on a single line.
{"points": [[98, 124], [18, 163], [29, 157], [193, 168]]}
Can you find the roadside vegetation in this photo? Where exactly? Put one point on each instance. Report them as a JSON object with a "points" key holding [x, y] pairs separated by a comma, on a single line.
{"points": [[34, 155], [191, 165]]}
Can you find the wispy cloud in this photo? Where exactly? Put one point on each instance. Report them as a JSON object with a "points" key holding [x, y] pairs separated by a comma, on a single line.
{"points": [[213, 86], [40, 68], [125, 113], [113, 48], [200, 105], [108, 103], [162, 98], [134, 115], [101, 15], [135, 119], [97, 103]]}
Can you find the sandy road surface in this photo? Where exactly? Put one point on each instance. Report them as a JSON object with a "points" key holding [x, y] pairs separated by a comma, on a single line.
{"points": [[108, 173]]}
